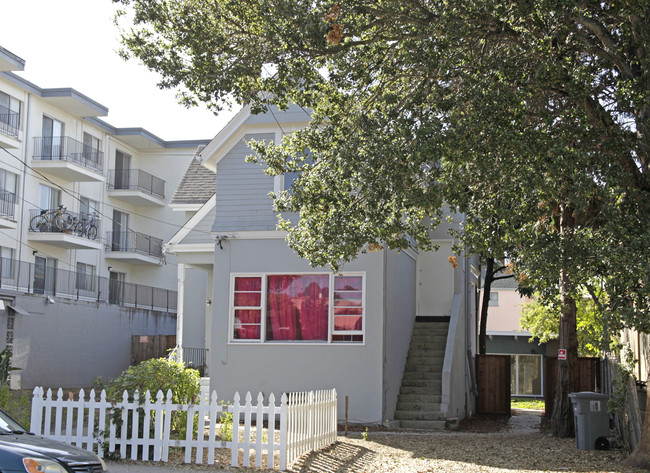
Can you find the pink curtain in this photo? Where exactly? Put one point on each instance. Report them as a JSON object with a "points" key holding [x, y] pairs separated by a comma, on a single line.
{"points": [[297, 307], [248, 293], [247, 324]]}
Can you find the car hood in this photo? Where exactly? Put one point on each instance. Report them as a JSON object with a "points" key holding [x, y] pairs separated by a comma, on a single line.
{"points": [[35, 444]]}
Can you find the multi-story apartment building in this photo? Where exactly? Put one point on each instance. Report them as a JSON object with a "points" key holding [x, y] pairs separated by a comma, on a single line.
{"points": [[83, 217]]}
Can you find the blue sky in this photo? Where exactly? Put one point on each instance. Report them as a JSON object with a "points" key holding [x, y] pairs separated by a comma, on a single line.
{"points": [[73, 43]]}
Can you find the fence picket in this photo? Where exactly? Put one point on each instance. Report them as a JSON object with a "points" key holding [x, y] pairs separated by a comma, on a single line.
{"points": [[146, 427], [259, 424], [212, 427], [234, 457], [307, 422], [167, 426], [270, 441], [248, 407]]}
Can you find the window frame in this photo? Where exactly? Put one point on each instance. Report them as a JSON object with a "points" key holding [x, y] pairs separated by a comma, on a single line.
{"points": [[331, 332], [516, 390], [85, 277]]}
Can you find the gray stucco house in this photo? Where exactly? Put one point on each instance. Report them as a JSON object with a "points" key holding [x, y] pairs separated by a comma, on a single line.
{"points": [[394, 333]]}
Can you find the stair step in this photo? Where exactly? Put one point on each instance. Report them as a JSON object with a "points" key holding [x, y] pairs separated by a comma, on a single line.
{"points": [[434, 389], [419, 406], [425, 360], [423, 424], [418, 415], [427, 350], [428, 398], [415, 380], [421, 368], [430, 340]]}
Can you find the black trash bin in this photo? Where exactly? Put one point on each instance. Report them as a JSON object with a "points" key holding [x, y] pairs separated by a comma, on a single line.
{"points": [[591, 420]]}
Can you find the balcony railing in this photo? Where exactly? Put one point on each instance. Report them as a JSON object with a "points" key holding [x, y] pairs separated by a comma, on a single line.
{"points": [[136, 242], [63, 221], [9, 122], [36, 279], [7, 204], [136, 179], [64, 148]]}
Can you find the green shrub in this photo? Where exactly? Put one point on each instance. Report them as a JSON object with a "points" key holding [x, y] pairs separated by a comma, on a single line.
{"points": [[158, 374]]}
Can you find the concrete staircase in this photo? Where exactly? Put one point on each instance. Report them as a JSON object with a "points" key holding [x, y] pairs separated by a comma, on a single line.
{"points": [[418, 405]]}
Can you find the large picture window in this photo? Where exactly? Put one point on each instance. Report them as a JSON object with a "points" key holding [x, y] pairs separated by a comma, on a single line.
{"points": [[298, 308]]}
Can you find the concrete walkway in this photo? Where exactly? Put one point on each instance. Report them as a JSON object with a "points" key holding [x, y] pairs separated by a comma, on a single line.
{"points": [[121, 467]]}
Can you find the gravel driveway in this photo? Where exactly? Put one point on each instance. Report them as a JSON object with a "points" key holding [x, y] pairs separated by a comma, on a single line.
{"points": [[490, 445]]}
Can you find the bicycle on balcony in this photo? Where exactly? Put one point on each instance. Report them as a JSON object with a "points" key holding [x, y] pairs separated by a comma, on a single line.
{"points": [[53, 220], [86, 226]]}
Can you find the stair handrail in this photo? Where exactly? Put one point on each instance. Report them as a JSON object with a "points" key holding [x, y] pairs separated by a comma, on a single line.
{"points": [[448, 362]]}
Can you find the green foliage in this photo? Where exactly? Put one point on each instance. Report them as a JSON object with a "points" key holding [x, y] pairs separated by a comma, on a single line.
{"points": [[17, 403], [158, 374], [225, 427], [536, 404], [597, 332], [530, 118], [5, 366]]}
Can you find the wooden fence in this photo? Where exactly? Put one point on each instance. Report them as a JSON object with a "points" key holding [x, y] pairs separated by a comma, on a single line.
{"points": [[493, 382], [588, 379], [301, 423]]}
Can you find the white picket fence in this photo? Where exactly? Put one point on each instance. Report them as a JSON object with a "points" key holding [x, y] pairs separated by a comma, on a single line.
{"points": [[307, 422]]}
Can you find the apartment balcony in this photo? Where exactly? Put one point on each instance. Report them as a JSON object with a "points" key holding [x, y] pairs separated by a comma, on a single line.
{"points": [[58, 227], [7, 209], [133, 247], [68, 159], [136, 187], [10, 133], [30, 278]]}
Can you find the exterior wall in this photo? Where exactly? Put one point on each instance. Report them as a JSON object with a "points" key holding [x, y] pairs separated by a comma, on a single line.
{"points": [[400, 270], [435, 286], [194, 313], [504, 317], [354, 370], [514, 345], [243, 202], [201, 232], [71, 343]]}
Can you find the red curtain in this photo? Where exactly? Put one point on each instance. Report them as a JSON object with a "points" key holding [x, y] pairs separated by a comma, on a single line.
{"points": [[297, 307]]}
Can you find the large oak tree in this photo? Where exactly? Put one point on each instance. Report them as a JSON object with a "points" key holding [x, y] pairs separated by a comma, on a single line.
{"points": [[530, 117]]}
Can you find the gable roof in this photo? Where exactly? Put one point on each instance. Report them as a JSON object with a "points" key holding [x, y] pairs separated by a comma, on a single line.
{"points": [[196, 186], [276, 120]]}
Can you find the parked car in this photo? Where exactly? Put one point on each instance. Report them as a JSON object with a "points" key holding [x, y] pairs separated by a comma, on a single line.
{"points": [[22, 451]]}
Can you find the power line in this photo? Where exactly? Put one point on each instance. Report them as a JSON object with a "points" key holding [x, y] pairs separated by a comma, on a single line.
{"points": [[37, 173]]}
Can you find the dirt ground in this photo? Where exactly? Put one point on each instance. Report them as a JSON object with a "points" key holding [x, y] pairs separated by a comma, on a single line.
{"points": [[521, 443]]}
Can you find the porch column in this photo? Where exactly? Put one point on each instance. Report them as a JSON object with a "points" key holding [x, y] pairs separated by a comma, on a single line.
{"points": [[180, 311]]}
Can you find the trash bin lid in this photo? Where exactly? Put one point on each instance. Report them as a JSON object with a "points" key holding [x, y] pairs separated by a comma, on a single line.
{"points": [[588, 395]]}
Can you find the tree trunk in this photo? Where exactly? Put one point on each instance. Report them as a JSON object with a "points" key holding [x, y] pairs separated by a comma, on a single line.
{"points": [[640, 457], [562, 418], [485, 304]]}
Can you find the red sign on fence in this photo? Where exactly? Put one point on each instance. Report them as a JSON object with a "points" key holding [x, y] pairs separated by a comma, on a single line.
{"points": [[144, 339], [561, 354]]}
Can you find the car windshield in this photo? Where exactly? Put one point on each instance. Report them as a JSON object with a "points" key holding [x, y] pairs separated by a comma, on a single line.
{"points": [[7, 424]]}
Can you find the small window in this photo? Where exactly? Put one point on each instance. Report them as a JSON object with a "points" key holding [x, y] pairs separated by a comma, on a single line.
{"points": [[85, 277], [9, 114], [494, 298], [247, 308], [7, 263]]}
